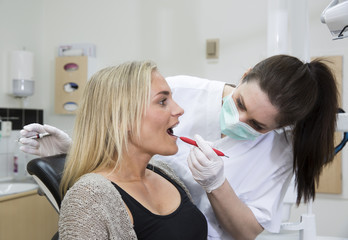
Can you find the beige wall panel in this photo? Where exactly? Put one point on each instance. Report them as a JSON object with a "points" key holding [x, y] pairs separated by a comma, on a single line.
{"points": [[331, 178]]}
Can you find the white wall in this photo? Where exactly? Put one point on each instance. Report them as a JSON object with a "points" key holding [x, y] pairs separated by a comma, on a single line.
{"points": [[172, 33], [20, 27]]}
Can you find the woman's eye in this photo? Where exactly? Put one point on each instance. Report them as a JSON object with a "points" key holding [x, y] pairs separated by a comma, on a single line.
{"points": [[163, 101], [256, 126], [239, 104]]}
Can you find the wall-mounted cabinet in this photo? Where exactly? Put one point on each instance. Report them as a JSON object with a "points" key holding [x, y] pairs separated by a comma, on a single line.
{"points": [[72, 74]]}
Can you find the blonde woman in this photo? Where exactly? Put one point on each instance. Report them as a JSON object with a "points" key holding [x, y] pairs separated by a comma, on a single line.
{"points": [[111, 189]]}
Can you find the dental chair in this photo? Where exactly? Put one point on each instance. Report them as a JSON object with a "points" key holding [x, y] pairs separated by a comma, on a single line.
{"points": [[47, 172]]}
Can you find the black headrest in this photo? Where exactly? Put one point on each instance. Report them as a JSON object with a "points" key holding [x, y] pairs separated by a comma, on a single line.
{"points": [[49, 170]]}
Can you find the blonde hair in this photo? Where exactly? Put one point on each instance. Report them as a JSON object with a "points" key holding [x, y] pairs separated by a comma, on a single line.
{"points": [[111, 109]]}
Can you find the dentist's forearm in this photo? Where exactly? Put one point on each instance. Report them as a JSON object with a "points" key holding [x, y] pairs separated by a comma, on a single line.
{"points": [[233, 215]]}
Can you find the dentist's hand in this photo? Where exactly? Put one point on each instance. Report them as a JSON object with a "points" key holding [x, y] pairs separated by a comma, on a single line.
{"points": [[58, 142], [206, 166]]}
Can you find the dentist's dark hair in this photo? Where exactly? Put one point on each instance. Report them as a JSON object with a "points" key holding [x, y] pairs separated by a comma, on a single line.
{"points": [[307, 99]]}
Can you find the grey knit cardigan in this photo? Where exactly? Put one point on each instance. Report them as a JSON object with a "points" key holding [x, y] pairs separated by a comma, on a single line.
{"points": [[94, 209]]}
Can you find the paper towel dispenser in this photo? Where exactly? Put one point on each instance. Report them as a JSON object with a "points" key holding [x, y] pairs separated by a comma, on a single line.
{"points": [[22, 73]]}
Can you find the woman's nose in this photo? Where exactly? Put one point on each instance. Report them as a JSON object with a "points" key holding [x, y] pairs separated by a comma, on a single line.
{"points": [[177, 111], [243, 116]]}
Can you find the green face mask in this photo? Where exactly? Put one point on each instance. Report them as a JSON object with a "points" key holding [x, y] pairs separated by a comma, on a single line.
{"points": [[230, 124]]}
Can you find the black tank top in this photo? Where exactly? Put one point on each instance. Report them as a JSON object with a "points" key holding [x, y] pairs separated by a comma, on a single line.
{"points": [[185, 223]]}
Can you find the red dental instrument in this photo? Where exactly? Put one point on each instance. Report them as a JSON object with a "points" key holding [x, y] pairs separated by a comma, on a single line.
{"points": [[192, 142]]}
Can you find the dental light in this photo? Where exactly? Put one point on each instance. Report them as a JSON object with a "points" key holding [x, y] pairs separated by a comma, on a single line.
{"points": [[335, 15]]}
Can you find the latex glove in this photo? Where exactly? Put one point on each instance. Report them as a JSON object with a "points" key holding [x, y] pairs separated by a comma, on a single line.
{"points": [[206, 166], [58, 142]]}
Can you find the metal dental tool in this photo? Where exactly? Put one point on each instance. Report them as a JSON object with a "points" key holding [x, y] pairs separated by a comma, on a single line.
{"points": [[36, 136]]}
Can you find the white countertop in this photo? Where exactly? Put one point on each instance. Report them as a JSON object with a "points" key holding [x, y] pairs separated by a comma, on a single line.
{"points": [[291, 236]]}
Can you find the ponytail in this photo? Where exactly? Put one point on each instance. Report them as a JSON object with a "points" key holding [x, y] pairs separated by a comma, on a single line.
{"points": [[313, 136]]}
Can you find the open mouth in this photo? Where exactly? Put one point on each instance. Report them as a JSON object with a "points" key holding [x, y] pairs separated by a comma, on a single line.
{"points": [[170, 130]]}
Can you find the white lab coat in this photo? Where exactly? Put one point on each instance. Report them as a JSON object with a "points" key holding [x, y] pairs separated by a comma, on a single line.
{"points": [[259, 171]]}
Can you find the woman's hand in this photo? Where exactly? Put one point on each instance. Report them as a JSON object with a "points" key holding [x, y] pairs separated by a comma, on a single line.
{"points": [[206, 166], [56, 143]]}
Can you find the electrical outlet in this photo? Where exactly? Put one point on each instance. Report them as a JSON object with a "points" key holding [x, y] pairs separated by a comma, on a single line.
{"points": [[6, 128]]}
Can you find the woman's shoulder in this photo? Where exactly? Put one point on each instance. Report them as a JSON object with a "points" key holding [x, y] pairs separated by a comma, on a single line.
{"points": [[92, 180], [93, 209], [91, 186]]}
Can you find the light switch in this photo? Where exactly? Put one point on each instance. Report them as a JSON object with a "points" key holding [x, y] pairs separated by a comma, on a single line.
{"points": [[212, 48]]}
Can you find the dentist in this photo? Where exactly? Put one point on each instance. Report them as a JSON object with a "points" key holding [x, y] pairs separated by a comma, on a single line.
{"points": [[279, 121]]}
